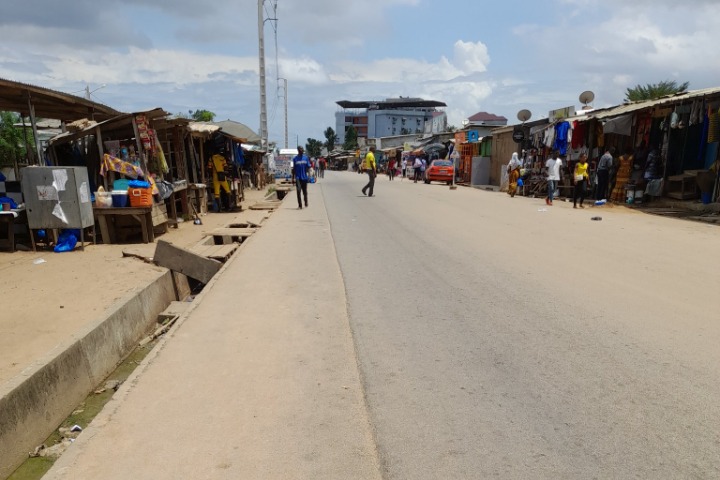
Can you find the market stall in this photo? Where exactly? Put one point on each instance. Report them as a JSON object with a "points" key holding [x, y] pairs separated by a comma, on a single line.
{"points": [[116, 152]]}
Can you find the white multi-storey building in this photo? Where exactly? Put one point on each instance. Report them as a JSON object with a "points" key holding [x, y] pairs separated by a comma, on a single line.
{"points": [[390, 117]]}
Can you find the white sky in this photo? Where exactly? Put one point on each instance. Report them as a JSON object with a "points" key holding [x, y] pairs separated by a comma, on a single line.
{"points": [[474, 55]]}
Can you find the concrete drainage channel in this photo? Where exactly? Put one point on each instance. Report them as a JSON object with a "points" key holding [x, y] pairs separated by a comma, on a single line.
{"points": [[56, 387], [64, 392], [45, 455]]}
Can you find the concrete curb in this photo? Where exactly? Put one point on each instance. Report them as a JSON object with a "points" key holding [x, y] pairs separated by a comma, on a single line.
{"points": [[104, 416], [34, 403]]}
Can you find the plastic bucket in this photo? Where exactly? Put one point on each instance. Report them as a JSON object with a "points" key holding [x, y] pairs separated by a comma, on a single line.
{"points": [[119, 199], [629, 195], [639, 194], [121, 184], [706, 197]]}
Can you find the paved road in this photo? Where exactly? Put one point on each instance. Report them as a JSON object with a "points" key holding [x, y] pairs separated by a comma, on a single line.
{"points": [[497, 340], [433, 334]]}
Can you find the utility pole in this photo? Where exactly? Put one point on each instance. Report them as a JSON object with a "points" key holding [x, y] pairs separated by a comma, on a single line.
{"points": [[263, 95], [285, 95]]}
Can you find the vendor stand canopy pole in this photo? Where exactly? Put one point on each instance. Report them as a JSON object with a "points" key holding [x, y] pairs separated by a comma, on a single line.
{"points": [[33, 122]]}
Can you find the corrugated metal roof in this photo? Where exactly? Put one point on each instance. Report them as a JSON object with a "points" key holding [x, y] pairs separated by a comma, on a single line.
{"points": [[89, 127], [50, 103], [635, 106], [238, 131], [202, 127]]}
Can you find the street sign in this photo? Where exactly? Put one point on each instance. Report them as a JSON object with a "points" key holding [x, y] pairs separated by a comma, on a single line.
{"points": [[518, 135]]}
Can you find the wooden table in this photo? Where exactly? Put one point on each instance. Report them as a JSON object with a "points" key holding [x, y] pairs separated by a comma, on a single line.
{"points": [[9, 219], [682, 187], [198, 195], [179, 193], [105, 218]]}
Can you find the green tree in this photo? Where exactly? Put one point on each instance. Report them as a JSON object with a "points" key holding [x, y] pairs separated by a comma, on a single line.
{"points": [[12, 141], [652, 91], [313, 147], [202, 115], [331, 139], [351, 142]]}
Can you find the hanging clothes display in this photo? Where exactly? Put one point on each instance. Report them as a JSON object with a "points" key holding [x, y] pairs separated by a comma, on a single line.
{"points": [[159, 156], [562, 130], [621, 125], [549, 140], [579, 133], [239, 155], [600, 135], [714, 129]]}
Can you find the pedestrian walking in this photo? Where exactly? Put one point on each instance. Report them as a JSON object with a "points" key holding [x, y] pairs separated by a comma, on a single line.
{"points": [[404, 166], [260, 172], [513, 170], [553, 165], [603, 174], [301, 168], [416, 168], [322, 165], [391, 169], [423, 167], [581, 178], [371, 167]]}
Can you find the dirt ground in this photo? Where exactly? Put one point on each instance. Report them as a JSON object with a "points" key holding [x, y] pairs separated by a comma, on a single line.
{"points": [[48, 297]]}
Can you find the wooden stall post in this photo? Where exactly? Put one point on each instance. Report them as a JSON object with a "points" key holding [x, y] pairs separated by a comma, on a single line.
{"points": [[101, 155], [141, 150]]}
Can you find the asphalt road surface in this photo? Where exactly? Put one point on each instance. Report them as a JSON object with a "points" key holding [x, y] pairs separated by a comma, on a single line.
{"points": [[501, 338], [427, 333]]}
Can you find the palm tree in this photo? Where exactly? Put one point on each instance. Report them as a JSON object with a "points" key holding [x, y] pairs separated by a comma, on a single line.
{"points": [[653, 91]]}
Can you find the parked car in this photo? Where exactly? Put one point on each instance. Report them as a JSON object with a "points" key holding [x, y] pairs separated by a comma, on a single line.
{"points": [[440, 171]]}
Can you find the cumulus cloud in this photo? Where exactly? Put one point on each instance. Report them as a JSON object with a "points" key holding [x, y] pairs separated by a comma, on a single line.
{"points": [[304, 69], [463, 98], [471, 57], [634, 42], [141, 66], [177, 52], [401, 70]]}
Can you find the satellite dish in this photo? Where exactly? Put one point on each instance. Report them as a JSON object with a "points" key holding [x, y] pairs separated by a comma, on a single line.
{"points": [[524, 115], [587, 97]]}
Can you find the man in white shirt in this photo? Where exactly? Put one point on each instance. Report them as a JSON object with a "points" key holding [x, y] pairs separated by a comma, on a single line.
{"points": [[417, 164], [553, 165]]}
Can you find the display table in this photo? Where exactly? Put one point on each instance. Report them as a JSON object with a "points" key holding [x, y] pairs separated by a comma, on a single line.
{"points": [[198, 196], [179, 193], [682, 187], [106, 216], [8, 219]]}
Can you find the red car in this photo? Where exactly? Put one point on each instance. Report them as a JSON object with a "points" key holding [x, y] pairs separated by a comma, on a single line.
{"points": [[440, 171]]}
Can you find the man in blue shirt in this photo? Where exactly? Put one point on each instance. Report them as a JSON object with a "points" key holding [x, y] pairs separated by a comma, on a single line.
{"points": [[301, 167]]}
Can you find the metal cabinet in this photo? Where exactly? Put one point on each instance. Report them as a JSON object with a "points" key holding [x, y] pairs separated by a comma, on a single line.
{"points": [[57, 197]]}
